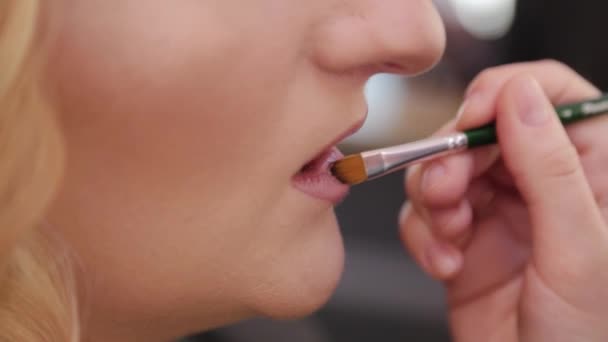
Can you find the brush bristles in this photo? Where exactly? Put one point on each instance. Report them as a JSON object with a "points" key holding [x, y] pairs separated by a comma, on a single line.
{"points": [[350, 170]]}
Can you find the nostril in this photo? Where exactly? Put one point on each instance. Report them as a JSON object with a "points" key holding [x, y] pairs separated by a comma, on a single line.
{"points": [[393, 68]]}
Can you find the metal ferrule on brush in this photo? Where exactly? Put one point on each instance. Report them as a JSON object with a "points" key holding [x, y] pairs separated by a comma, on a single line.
{"points": [[383, 161]]}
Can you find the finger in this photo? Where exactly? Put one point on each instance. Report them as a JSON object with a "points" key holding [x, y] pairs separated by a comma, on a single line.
{"points": [[455, 224], [481, 195], [440, 259], [452, 224], [547, 171], [413, 176], [446, 179], [444, 182], [500, 175], [560, 84]]}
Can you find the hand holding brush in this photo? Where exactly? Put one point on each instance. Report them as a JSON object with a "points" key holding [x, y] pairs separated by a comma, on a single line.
{"points": [[519, 238]]}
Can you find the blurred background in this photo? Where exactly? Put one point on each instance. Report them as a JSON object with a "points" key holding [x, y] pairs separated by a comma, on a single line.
{"points": [[383, 295]]}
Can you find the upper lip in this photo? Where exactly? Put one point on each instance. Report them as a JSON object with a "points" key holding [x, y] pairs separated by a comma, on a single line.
{"points": [[350, 131]]}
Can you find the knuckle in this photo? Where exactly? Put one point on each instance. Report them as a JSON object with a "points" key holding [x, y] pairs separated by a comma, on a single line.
{"points": [[561, 162], [555, 65], [573, 85], [485, 78]]}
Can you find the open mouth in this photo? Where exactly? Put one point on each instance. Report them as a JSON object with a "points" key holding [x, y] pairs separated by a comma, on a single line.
{"points": [[315, 177], [321, 164]]}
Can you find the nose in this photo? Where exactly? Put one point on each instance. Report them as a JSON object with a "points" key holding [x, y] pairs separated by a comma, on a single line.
{"points": [[396, 36]]}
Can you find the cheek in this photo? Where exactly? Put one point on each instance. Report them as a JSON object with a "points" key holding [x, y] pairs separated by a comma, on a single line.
{"points": [[177, 93], [169, 127], [167, 122]]}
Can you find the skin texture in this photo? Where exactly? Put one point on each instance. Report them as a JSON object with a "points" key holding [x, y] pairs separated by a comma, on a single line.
{"points": [[185, 122], [518, 232]]}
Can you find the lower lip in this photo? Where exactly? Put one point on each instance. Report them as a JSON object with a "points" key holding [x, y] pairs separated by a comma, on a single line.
{"points": [[317, 181]]}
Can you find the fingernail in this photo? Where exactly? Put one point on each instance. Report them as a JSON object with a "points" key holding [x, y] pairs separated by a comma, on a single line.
{"points": [[471, 101], [461, 110], [442, 260], [403, 213], [530, 105], [433, 174]]}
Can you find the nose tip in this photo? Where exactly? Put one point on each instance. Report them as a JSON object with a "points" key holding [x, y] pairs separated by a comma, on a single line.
{"points": [[394, 36], [415, 51]]}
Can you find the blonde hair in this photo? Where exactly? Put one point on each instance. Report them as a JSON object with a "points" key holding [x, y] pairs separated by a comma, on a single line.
{"points": [[37, 293]]}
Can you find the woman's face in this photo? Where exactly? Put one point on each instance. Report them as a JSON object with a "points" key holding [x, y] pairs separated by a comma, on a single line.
{"points": [[188, 125]]}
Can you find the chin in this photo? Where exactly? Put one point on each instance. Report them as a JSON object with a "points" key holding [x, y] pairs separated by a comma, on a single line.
{"points": [[307, 276]]}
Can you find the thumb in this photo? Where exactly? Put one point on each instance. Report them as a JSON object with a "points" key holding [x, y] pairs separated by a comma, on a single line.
{"points": [[547, 171]]}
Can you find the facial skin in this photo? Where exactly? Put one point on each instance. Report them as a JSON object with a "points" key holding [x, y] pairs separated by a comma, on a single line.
{"points": [[185, 122]]}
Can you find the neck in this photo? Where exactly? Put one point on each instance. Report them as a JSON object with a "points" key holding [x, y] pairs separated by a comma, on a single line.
{"points": [[169, 327]]}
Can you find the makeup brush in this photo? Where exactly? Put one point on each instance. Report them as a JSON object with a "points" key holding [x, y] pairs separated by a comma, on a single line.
{"points": [[358, 168]]}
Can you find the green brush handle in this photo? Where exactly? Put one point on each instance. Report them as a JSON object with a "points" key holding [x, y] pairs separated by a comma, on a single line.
{"points": [[486, 135]]}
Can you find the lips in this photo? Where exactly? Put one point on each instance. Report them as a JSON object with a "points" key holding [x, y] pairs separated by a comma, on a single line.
{"points": [[315, 177]]}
